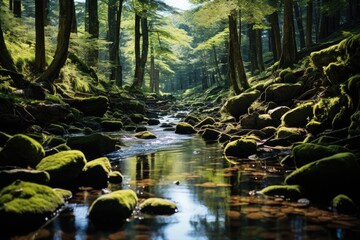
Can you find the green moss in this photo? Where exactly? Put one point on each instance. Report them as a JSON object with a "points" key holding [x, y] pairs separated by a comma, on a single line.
{"points": [[293, 192], [115, 177], [96, 173], [158, 206], [309, 152], [184, 128], [35, 176], [137, 118], [26, 205], [113, 208], [53, 141], [299, 116], [242, 147], [343, 204], [326, 56], [111, 125], [63, 167], [63, 193], [291, 133], [145, 135], [23, 151], [55, 129], [354, 128], [206, 121], [337, 72], [282, 92], [4, 137]]}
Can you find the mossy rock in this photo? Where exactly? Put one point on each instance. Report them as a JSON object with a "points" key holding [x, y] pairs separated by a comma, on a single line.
{"points": [[282, 92], [343, 204], [327, 177], [293, 192], [23, 151], [92, 106], [287, 76], [326, 56], [145, 135], [337, 72], [191, 119], [153, 121], [56, 129], [111, 125], [56, 149], [309, 152], [298, 116], [26, 175], [352, 50], [291, 134], [25, 206], [4, 137], [93, 145], [241, 148], [184, 128], [354, 128], [206, 121], [115, 177], [112, 209], [96, 173], [224, 138], [132, 106], [211, 134], [63, 193], [141, 129], [53, 141], [238, 105], [63, 167], [130, 128], [265, 120], [158, 206], [137, 118], [278, 112]]}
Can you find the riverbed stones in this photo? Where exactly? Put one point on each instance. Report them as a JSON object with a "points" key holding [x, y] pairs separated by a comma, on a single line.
{"points": [[63, 167], [293, 192], [145, 135], [113, 208], [153, 121], [241, 148], [328, 176], [343, 204], [26, 175], [184, 128], [158, 206], [115, 177], [206, 121], [111, 125], [22, 151], [298, 116], [96, 173], [281, 93], [91, 106], [25, 206]]}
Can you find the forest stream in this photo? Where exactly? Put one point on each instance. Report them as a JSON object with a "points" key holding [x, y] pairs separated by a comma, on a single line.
{"points": [[215, 199]]}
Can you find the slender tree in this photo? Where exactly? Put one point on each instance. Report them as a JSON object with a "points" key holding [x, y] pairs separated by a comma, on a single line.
{"points": [[6, 60], [17, 8], [93, 30], [300, 25], [40, 61], [288, 53], [309, 23]]}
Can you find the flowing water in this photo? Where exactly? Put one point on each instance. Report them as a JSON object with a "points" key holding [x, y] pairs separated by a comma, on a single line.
{"points": [[212, 196]]}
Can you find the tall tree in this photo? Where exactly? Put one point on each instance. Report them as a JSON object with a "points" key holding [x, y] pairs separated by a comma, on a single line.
{"points": [[40, 61], [63, 39], [288, 53], [275, 35], [17, 8], [309, 22], [93, 30], [6, 60], [299, 22]]}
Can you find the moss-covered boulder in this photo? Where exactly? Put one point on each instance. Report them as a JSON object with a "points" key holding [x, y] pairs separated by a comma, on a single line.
{"points": [[292, 134], [293, 192], [96, 173], [282, 92], [92, 106], [63, 167], [158, 206], [184, 128], [26, 175], [56, 129], [191, 119], [326, 56], [238, 105], [112, 209], [115, 177], [309, 152], [4, 137], [53, 141], [278, 112], [241, 148], [21, 150], [137, 118], [211, 134], [145, 135], [343, 204], [93, 145], [25, 206], [354, 128], [328, 176], [206, 121], [299, 116], [111, 125], [132, 106], [153, 122]]}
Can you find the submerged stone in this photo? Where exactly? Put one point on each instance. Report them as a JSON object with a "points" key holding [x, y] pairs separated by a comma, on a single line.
{"points": [[145, 135], [158, 206], [23, 151], [63, 167], [293, 192], [242, 147], [113, 208]]}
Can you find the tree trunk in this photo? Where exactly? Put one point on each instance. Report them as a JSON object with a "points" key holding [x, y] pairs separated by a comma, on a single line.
{"points": [[152, 69], [300, 25], [46, 12], [40, 61], [74, 22], [93, 31], [259, 50], [276, 37], [218, 72], [309, 23], [63, 38], [87, 15], [137, 81], [330, 22], [252, 49], [6, 60], [17, 8], [11, 4], [288, 54]]}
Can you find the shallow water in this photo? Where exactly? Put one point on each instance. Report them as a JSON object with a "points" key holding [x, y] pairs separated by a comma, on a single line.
{"points": [[212, 196]]}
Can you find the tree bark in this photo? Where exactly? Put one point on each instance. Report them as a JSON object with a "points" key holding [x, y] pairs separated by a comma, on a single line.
{"points": [[218, 72], [288, 54], [137, 50], [259, 50], [309, 23], [93, 31], [276, 36], [74, 22], [40, 62], [6, 60], [63, 38], [300, 25], [11, 4], [252, 49], [17, 8]]}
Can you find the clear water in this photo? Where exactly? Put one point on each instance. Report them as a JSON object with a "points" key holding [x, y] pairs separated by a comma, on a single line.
{"points": [[212, 196]]}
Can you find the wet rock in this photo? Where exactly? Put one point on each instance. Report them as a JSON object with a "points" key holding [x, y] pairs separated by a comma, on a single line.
{"points": [[26, 175], [93, 106], [191, 119], [153, 122], [25, 206], [211, 134], [299, 116], [141, 129], [293, 192], [111, 125], [238, 105], [224, 138], [63, 167], [132, 106], [130, 128], [343, 204], [145, 135], [115, 177], [242, 147], [96, 173], [53, 141], [93, 145], [328, 176], [309, 152], [56, 149], [158, 206], [282, 92], [278, 112], [56, 129], [111, 209], [291, 134], [137, 118], [21, 150], [206, 121], [326, 56], [184, 128]]}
